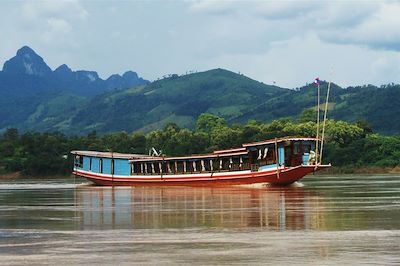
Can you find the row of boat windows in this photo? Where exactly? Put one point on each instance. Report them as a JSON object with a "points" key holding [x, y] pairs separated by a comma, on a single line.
{"points": [[192, 166], [172, 167], [235, 163]]}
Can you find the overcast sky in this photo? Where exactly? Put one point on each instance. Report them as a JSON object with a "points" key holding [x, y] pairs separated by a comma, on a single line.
{"points": [[287, 42]]}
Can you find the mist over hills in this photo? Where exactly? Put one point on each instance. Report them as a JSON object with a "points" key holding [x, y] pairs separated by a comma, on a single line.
{"points": [[32, 96]]}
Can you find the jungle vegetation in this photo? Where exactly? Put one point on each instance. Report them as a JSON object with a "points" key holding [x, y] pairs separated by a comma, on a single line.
{"points": [[348, 145]]}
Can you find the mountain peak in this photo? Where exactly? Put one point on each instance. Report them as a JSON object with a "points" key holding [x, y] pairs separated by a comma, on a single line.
{"points": [[128, 80], [28, 62], [63, 70], [130, 75], [63, 67], [25, 50]]}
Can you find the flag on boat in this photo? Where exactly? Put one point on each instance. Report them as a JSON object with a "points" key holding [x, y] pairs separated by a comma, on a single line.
{"points": [[316, 81]]}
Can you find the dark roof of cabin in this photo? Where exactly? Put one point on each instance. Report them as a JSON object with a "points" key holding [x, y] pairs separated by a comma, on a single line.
{"points": [[271, 141], [115, 155], [191, 157]]}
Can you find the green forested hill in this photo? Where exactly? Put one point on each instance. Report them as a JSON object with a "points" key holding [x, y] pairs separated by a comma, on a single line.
{"points": [[379, 106], [175, 99], [180, 99]]}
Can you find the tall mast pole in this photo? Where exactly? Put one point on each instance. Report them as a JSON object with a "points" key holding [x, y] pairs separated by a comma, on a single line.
{"points": [[323, 127], [317, 140]]}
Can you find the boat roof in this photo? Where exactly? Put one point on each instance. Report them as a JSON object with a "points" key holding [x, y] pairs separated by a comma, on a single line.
{"points": [[191, 157], [115, 155], [230, 150], [218, 153], [278, 140]]}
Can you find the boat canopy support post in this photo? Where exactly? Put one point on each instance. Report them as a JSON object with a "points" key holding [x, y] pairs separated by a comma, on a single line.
{"points": [[277, 159]]}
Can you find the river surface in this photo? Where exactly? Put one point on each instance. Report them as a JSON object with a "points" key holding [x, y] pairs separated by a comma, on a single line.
{"points": [[324, 220]]}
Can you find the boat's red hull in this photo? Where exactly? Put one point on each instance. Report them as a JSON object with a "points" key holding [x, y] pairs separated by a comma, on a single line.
{"points": [[284, 177]]}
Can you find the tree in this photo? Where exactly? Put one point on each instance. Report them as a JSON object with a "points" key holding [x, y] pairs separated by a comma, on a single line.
{"points": [[11, 134], [308, 115], [209, 122], [138, 143]]}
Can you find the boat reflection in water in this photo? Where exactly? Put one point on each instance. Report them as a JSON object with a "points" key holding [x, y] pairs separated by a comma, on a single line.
{"points": [[275, 208]]}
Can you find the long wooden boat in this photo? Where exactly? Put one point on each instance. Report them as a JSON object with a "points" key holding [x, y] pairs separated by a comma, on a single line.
{"points": [[278, 162]]}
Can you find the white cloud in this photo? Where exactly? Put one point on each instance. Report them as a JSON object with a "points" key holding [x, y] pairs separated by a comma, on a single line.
{"points": [[367, 23], [70, 9], [56, 28], [381, 30], [52, 21], [295, 62], [213, 7]]}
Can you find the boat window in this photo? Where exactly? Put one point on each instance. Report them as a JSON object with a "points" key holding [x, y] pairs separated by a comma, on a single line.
{"points": [[306, 148], [180, 167], [266, 155], [79, 161], [271, 156], [296, 148], [90, 164], [112, 166], [216, 164], [246, 163], [189, 166], [225, 164], [253, 156], [168, 167], [199, 166], [136, 168], [206, 163], [288, 155], [156, 168], [235, 163]]}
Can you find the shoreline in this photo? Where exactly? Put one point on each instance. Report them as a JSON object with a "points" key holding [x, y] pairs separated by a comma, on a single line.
{"points": [[19, 175], [361, 170]]}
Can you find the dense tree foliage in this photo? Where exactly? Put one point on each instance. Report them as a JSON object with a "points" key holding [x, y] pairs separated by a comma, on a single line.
{"points": [[348, 145]]}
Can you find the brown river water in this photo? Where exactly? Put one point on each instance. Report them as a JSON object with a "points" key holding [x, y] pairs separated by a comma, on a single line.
{"points": [[324, 220]]}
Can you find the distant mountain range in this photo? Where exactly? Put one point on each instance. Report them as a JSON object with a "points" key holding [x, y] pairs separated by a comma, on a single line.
{"points": [[28, 88], [32, 96], [28, 73]]}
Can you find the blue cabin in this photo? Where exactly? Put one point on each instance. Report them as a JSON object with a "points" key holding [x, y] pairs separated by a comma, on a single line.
{"points": [[106, 163]]}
